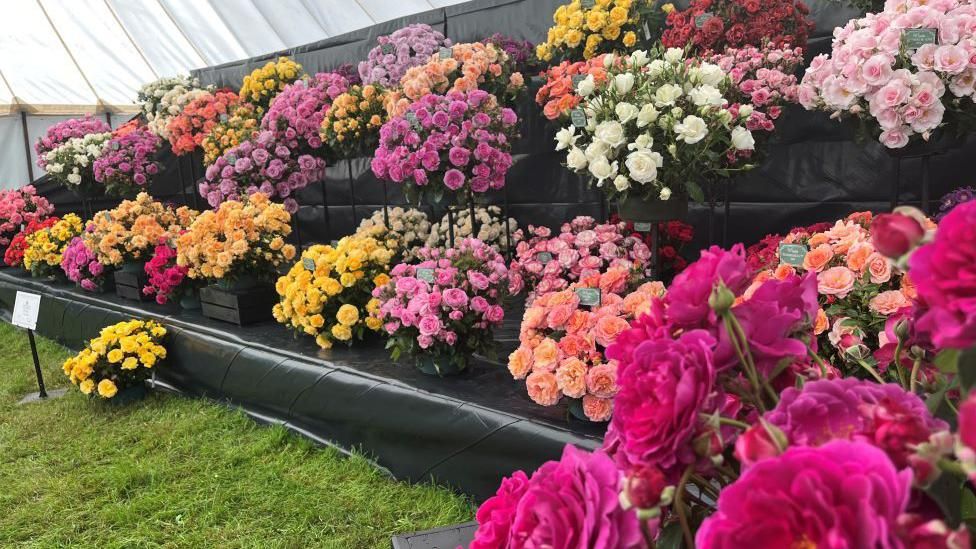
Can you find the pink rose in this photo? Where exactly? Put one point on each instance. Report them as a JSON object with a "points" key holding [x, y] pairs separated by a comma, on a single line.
{"points": [[837, 281], [895, 234], [888, 303], [951, 59], [895, 138], [543, 388], [429, 325], [879, 268]]}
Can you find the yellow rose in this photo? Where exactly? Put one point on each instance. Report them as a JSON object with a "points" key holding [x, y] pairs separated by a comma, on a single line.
{"points": [[347, 279], [130, 363], [618, 16], [381, 279], [87, 386], [573, 38], [667, 8], [348, 315], [115, 356], [148, 359], [316, 321], [342, 333], [595, 20], [373, 323], [107, 389], [323, 341], [611, 32], [630, 39]]}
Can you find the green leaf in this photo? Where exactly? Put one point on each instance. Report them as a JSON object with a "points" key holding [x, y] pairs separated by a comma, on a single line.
{"points": [[967, 369], [968, 506], [671, 537], [695, 191], [936, 403], [947, 492], [947, 361]]}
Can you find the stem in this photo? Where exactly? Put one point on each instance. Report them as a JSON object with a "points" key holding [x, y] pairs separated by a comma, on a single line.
{"points": [[820, 362], [679, 507], [727, 421], [648, 539], [727, 471], [705, 486], [750, 371], [870, 369], [752, 362], [898, 368], [952, 468], [913, 382]]}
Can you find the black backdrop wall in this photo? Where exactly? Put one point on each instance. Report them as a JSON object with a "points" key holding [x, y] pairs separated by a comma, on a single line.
{"points": [[815, 171]]}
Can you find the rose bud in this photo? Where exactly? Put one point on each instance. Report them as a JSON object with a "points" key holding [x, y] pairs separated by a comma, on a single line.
{"points": [[895, 234], [646, 488], [759, 442]]}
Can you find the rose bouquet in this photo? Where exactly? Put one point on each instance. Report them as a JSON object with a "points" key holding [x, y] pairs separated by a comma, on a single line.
{"points": [[521, 52], [166, 280], [129, 232], [405, 48], [44, 247], [582, 32], [172, 104], [407, 231], [122, 356], [13, 256], [198, 118], [19, 207], [81, 266], [327, 294], [71, 163], [296, 113], [892, 70], [764, 255], [243, 124], [660, 125], [558, 96], [490, 229], [948, 202], [261, 86], [442, 310], [582, 248], [159, 100], [673, 236], [562, 342], [260, 165], [713, 25], [239, 239], [60, 133], [352, 123], [454, 142], [127, 162]]}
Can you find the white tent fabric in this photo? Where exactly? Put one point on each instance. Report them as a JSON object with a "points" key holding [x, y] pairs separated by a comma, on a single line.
{"points": [[64, 58]]}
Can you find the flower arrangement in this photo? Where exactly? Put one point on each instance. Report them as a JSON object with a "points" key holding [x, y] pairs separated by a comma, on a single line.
{"points": [[442, 310], [243, 124], [71, 163], [490, 224], [171, 105], [520, 52], [122, 356], [351, 126], [45, 246], [261, 86], [198, 118], [408, 47], [60, 133], [454, 142], [81, 266], [583, 32], [557, 96], [296, 114], [159, 103], [562, 342], [896, 88], [327, 294], [127, 162], [166, 280], [239, 238], [260, 165], [129, 232], [407, 231], [946, 204], [661, 123], [713, 25], [13, 256], [19, 207], [582, 248]]}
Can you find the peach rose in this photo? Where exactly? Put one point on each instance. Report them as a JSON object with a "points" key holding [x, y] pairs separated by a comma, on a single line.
{"points": [[559, 315], [565, 297], [543, 388], [888, 303], [842, 229], [597, 409], [546, 355], [879, 267], [857, 257], [601, 380], [637, 303], [574, 345], [845, 244], [908, 287], [520, 362], [817, 258], [836, 281], [613, 281], [821, 323], [655, 288], [571, 377], [608, 328], [784, 271], [533, 317], [817, 240], [577, 322]]}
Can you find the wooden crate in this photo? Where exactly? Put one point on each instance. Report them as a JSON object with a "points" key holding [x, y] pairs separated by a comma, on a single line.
{"points": [[241, 307], [129, 285]]}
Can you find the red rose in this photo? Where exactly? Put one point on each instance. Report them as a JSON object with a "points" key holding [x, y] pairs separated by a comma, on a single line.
{"points": [[644, 487], [737, 33], [895, 234], [752, 6], [713, 28]]}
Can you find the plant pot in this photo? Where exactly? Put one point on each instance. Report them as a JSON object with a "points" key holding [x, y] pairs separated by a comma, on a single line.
{"points": [[241, 307], [576, 410], [128, 395], [440, 367], [136, 267], [940, 143], [190, 301], [651, 211], [238, 284]]}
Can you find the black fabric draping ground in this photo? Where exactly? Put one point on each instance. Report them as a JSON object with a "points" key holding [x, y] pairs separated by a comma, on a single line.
{"points": [[467, 431]]}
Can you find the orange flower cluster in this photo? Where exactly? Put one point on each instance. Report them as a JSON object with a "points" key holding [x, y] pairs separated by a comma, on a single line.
{"points": [[558, 96], [187, 130], [238, 238], [131, 231]]}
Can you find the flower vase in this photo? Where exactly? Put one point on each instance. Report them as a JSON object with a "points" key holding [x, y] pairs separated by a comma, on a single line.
{"points": [[440, 366], [190, 300], [576, 410], [128, 395], [640, 210], [135, 267], [238, 284]]}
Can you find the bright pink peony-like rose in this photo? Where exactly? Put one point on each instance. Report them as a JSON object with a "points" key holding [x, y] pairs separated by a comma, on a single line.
{"points": [[967, 421], [688, 296], [842, 494], [895, 234], [496, 514]]}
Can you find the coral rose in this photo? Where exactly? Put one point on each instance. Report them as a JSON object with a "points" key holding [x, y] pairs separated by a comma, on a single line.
{"points": [[571, 377], [543, 388], [888, 303], [597, 409], [601, 380], [837, 281], [817, 258], [608, 328]]}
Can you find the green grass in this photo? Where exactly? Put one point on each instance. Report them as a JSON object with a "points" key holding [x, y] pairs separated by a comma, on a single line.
{"points": [[175, 472]]}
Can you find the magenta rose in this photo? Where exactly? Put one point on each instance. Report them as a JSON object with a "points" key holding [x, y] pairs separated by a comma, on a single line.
{"points": [[688, 295], [842, 494], [967, 421], [496, 514], [895, 234]]}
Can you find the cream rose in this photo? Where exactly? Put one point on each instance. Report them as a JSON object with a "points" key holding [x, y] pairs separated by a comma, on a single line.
{"points": [[626, 112], [643, 165], [602, 169], [742, 139], [691, 130], [666, 95], [611, 133]]}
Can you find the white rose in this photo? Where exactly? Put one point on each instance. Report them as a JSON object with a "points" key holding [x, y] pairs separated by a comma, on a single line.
{"points": [[742, 139], [642, 166], [691, 130], [638, 58], [643, 141], [576, 159], [745, 111], [586, 86], [608, 60], [623, 83], [626, 112], [666, 95], [711, 74], [602, 169], [674, 55], [655, 68], [621, 183], [566, 138], [611, 133], [74, 179], [665, 193], [595, 150], [706, 95], [647, 115]]}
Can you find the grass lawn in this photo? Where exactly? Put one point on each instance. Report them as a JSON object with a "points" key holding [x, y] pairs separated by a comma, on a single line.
{"points": [[175, 472]]}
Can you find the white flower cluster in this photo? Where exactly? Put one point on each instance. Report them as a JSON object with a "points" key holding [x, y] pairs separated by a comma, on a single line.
{"points": [[165, 98], [658, 123], [71, 162], [491, 228], [409, 227]]}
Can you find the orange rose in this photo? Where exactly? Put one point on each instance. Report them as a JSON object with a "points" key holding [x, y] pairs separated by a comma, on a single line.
{"points": [[571, 377], [597, 409], [543, 388], [574, 345], [546, 355], [577, 322], [888, 303], [520, 362], [818, 239], [879, 268], [822, 323], [608, 328], [817, 258], [783, 271], [908, 287], [857, 257]]}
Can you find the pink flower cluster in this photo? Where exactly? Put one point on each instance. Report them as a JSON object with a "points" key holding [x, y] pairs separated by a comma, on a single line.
{"points": [[128, 162], [260, 165], [18, 207], [451, 142], [62, 131], [296, 113], [447, 303], [562, 343], [408, 47], [870, 75], [166, 278], [581, 249], [81, 266]]}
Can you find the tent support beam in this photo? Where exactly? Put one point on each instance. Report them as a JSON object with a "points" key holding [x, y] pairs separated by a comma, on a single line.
{"points": [[27, 149]]}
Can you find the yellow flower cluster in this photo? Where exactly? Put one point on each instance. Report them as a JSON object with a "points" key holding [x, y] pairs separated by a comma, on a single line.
{"points": [[42, 256], [352, 123], [121, 356], [328, 293], [607, 26], [240, 126], [260, 87], [238, 238], [131, 231]]}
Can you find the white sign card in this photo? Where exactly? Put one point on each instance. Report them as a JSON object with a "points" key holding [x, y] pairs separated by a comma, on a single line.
{"points": [[26, 308]]}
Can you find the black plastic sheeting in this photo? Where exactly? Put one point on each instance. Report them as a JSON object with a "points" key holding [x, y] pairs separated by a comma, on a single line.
{"points": [[467, 431]]}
